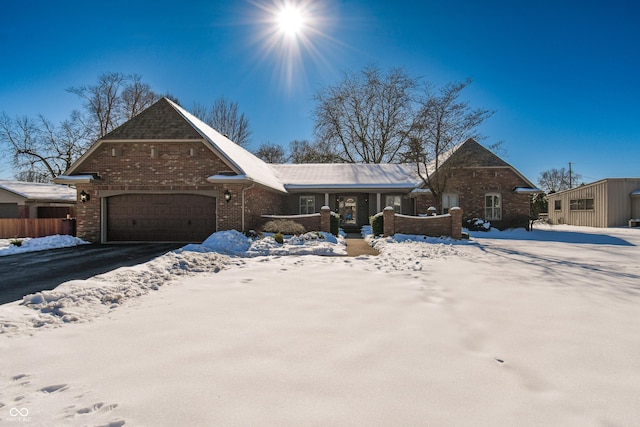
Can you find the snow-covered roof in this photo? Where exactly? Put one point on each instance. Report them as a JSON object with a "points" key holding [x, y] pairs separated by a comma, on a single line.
{"points": [[346, 175], [40, 192], [245, 162]]}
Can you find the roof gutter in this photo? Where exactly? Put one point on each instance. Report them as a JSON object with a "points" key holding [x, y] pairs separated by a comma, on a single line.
{"points": [[526, 190], [75, 179], [229, 179]]}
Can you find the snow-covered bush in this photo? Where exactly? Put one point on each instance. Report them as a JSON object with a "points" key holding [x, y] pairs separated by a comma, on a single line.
{"points": [[335, 223], [284, 226], [377, 224], [477, 224]]}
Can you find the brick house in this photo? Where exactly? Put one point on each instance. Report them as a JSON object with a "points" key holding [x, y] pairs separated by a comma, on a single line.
{"points": [[166, 176]]}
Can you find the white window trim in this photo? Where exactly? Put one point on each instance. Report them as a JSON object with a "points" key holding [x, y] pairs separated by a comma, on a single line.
{"points": [[445, 209], [493, 208], [307, 205], [395, 197]]}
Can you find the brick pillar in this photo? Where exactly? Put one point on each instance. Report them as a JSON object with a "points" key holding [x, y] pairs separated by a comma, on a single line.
{"points": [[325, 219], [456, 223], [389, 217]]}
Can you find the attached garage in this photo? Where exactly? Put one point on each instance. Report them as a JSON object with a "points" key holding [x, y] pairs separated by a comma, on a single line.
{"points": [[160, 217]]}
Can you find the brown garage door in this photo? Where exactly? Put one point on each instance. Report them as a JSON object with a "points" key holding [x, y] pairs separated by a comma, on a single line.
{"points": [[160, 217]]}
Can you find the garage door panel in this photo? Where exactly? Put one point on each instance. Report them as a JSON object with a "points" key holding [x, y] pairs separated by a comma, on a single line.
{"points": [[160, 217]]}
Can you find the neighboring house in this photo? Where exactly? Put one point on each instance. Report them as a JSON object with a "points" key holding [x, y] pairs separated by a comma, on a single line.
{"points": [[167, 176], [610, 202], [20, 199]]}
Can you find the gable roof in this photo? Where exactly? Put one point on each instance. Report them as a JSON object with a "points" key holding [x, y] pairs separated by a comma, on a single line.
{"points": [[474, 155], [160, 121], [166, 120], [471, 154], [346, 176], [243, 161], [38, 192]]}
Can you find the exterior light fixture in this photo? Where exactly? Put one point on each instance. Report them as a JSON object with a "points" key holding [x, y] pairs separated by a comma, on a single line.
{"points": [[227, 196], [84, 197]]}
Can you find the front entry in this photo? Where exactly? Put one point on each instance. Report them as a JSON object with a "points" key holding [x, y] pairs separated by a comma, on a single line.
{"points": [[348, 210]]}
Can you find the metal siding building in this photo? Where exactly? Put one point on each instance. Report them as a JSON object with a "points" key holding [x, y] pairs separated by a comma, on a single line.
{"points": [[610, 202]]}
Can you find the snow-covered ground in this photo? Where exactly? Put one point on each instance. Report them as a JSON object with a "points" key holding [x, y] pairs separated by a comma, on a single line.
{"points": [[28, 244], [510, 328]]}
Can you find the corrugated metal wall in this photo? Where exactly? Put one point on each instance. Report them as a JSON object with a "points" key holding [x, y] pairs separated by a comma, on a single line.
{"points": [[620, 201], [597, 217], [613, 206]]}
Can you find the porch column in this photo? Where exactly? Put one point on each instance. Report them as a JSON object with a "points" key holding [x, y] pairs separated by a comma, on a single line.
{"points": [[389, 219], [456, 223], [326, 199], [378, 203], [325, 219]]}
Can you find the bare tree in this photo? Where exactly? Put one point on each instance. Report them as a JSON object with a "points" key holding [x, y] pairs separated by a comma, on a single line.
{"points": [[102, 102], [271, 153], [443, 122], [367, 116], [40, 150], [225, 117], [303, 151], [137, 96], [199, 110], [554, 180], [113, 99]]}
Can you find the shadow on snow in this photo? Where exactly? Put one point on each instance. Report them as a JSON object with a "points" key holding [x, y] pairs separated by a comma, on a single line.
{"points": [[576, 237]]}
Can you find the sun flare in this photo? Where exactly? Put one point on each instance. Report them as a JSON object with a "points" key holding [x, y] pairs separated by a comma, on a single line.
{"points": [[292, 34], [290, 20]]}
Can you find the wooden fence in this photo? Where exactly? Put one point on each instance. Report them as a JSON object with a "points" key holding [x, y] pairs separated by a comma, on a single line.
{"points": [[36, 227]]}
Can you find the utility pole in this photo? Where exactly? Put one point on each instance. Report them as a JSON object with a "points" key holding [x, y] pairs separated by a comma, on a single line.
{"points": [[570, 176]]}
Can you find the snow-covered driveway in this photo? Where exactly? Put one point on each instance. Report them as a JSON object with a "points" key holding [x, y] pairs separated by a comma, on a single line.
{"points": [[508, 329]]}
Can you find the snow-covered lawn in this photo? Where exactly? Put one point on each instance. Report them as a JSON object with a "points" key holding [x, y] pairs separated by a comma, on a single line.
{"points": [[28, 244], [508, 328]]}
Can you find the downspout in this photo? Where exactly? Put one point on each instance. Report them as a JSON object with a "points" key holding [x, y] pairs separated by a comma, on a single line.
{"points": [[243, 203]]}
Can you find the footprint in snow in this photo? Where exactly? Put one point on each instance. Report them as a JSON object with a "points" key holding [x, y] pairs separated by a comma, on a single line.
{"points": [[54, 388]]}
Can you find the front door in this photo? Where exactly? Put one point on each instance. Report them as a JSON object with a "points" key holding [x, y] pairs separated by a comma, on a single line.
{"points": [[348, 209]]}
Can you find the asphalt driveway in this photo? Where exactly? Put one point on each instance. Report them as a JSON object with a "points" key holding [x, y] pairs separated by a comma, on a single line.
{"points": [[27, 273]]}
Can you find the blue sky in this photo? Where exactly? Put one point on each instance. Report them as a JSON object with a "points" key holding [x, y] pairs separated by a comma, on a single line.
{"points": [[561, 76]]}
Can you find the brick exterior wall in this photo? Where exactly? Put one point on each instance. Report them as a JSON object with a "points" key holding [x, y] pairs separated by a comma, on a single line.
{"points": [[473, 184], [449, 225], [172, 167], [259, 202]]}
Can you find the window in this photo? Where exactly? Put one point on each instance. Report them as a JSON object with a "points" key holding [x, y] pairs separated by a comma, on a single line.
{"points": [[449, 200], [581, 205], [307, 205], [493, 207], [557, 205], [395, 202]]}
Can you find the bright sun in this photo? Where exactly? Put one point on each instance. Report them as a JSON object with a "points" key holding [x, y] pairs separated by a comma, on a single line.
{"points": [[290, 20], [291, 33]]}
